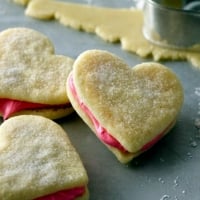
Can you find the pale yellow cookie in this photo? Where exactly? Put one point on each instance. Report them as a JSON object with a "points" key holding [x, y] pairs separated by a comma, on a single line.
{"points": [[32, 73], [129, 109], [37, 159]]}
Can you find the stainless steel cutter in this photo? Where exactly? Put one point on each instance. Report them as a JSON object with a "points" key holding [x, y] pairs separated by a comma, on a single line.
{"points": [[173, 23]]}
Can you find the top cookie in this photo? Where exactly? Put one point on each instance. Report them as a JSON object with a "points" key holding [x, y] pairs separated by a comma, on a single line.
{"points": [[30, 71]]}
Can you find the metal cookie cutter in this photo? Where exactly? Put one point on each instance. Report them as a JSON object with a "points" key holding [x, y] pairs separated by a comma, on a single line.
{"points": [[173, 23]]}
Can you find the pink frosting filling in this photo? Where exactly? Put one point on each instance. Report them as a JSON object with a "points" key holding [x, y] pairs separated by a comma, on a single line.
{"points": [[157, 138], [69, 194], [9, 106], [102, 133]]}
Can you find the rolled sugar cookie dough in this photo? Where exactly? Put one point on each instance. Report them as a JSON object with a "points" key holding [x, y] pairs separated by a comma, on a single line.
{"points": [[22, 2], [111, 24]]}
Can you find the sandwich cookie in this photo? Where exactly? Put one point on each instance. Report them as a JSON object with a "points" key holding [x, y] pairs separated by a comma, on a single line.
{"points": [[129, 109], [37, 161], [32, 77]]}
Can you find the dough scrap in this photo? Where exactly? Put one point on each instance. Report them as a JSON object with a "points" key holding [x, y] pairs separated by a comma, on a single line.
{"points": [[112, 25], [22, 2]]}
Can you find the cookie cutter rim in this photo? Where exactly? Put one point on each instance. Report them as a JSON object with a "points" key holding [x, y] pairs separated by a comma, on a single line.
{"points": [[171, 27]]}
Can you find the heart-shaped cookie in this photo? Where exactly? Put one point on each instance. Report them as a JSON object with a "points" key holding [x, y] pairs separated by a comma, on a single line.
{"points": [[37, 161], [129, 109], [32, 77]]}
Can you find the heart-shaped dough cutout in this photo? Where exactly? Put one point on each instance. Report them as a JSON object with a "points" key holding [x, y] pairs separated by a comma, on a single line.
{"points": [[129, 109], [31, 72], [37, 159]]}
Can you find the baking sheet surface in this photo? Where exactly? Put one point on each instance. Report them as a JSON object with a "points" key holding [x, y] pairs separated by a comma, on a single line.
{"points": [[170, 170]]}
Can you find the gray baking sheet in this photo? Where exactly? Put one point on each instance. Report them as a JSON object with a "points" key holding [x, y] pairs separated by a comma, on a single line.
{"points": [[171, 169]]}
